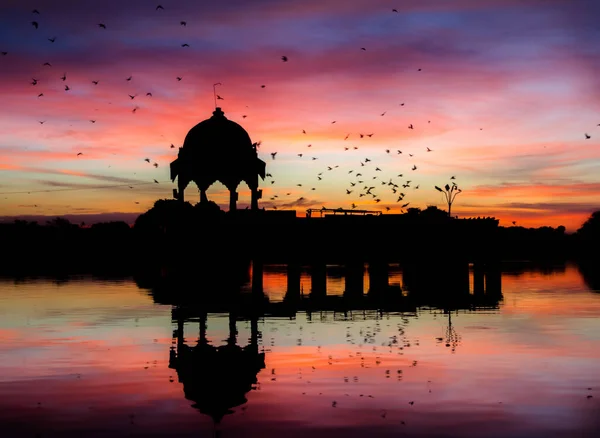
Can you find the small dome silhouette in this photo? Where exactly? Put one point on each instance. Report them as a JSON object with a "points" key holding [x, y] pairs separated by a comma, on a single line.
{"points": [[218, 149], [219, 137]]}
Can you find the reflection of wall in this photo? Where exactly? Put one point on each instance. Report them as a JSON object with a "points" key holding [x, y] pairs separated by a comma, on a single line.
{"points": [[216, 378]]}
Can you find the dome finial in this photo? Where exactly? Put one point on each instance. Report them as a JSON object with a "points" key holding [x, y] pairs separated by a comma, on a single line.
{"points": [[218, 112], [215, 92]]}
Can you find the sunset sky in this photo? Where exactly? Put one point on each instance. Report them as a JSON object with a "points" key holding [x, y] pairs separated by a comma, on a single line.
{"points": [[503, 92]]}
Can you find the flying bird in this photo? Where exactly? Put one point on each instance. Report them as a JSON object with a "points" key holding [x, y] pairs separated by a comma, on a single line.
{"points": [[95, 82], [156, 181], [588, 136], [48, 64], [429, 150], [52, 39], [273, 155], [262, 86], [64, 77], [414, 167], [172, 146], [129, 78], [35, 24], [34, 82], [284, 58], [79, 153], [160, 7], [102, 25], [35, 11], [93, 121], [219, 97], [179, 78], [4, 53], [362, 48], [183, 23], [67, 88], [185, 45], [40, 95], [149, 94]]}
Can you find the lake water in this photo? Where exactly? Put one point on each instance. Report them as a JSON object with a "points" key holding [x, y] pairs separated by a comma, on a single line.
{"points": [[91, 358]]}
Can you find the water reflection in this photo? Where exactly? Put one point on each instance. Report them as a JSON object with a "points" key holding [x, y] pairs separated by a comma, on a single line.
{"points": [[487, 354], [215, 378]]}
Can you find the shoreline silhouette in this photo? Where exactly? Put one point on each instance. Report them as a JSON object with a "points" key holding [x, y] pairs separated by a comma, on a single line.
{"points": [[178, 234]]}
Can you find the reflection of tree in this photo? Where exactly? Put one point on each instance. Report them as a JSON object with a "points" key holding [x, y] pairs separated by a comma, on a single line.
{"points": [[590, 273], [452, 337]]}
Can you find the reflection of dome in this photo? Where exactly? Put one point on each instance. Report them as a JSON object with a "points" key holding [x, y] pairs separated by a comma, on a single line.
{"points": [[216, 379], [219, 137]]}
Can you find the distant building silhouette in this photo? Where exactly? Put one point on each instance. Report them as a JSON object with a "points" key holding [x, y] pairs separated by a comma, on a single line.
{"points": [[218, 149]]}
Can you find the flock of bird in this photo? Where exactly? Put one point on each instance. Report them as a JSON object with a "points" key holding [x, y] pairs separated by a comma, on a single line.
{"points": [[362, 185], [366, 183]]}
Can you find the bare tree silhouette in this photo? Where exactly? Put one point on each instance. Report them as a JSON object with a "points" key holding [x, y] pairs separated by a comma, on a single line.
{"points": [[450, 193]]}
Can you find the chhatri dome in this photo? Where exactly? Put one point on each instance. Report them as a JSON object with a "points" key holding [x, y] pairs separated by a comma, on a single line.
{"points": [[218, 149]]}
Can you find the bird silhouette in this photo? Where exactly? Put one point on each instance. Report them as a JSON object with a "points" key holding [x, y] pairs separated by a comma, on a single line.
{"points": [[156, 181], [48, 64], [273, 155], [284, 58], [219, 97], [35, 24], [102, 25], [64, 77], [183, 23], [35, 11], [52, 39], [185, 45], [429, 150], [79, 153], [67, 88], [159, 7], [588, 136], [179, 78], [95, 82]]}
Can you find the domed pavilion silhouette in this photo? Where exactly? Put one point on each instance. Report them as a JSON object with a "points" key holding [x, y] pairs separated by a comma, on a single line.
{"points": [[218, 149], [216, 378]]}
